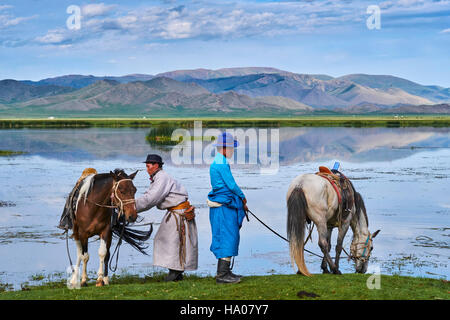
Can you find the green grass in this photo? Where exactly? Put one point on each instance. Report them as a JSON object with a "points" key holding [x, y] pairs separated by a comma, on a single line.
{"points": [[273, 287], [7, 153], [220, 122]]}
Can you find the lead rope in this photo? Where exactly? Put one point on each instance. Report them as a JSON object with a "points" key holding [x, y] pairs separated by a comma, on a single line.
{"points": [[68, 252], [116, 250], [284, 237]]}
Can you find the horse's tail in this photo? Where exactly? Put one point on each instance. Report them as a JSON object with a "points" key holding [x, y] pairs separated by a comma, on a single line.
{"points": [[296, 223]]}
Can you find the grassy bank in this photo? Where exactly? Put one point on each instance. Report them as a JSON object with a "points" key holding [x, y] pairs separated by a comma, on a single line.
{"points": [[273, 287], [8, 153], [305, 121]]}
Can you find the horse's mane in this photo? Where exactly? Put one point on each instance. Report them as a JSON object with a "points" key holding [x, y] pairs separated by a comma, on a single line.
{"points": [[88, 183], [359, 204], [360, 207], [118, 172]]}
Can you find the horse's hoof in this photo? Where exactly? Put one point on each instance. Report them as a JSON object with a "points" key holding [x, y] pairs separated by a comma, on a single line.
{"points": [[99, 283], [84, 284], [325, 271], [337, 272]]}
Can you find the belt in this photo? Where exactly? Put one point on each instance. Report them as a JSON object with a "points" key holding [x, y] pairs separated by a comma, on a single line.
{"points": [[181, 206], [181, 227], [213, 204]]}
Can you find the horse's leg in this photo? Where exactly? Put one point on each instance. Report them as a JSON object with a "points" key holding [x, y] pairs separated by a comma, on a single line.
{"points": [[340, 240], [85, 257], [74, 282], [324, 246], [103, 253], [324, 264], [108, 254]]}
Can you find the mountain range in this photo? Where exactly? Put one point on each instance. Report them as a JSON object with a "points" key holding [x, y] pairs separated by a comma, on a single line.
{"points": [[249, 91]]}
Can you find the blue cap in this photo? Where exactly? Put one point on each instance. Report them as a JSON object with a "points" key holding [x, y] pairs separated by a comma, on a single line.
{"points": [[226, 140]]}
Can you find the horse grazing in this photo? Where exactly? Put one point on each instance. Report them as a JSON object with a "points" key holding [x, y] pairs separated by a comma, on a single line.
{"points": [[99, 195], [310, 197]]}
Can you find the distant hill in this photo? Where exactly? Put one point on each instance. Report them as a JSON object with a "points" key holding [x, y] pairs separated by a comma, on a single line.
{"points": [[206, 74], [162, 96], [248, 91], [404, 109], [385, 82], [427, 109], [310, 90], [15, 91], [79, 81]]}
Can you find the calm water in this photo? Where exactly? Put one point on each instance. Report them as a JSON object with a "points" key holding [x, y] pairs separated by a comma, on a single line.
{"points": [[402, 173]]}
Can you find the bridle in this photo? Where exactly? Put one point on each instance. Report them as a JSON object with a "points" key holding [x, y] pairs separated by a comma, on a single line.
{"points": [[122, 202], [366, 245], [115, 196]]}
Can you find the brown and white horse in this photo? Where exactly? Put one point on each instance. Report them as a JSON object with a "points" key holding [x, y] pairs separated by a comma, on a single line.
{"points": [[99, 195], [312, 197]]}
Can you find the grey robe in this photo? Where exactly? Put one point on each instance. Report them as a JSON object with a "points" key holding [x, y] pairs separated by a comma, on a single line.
{"points": [[165, 192]]}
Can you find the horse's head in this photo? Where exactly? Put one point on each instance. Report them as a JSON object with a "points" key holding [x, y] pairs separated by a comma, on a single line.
{"points": [[123, 194], [360, 251]]}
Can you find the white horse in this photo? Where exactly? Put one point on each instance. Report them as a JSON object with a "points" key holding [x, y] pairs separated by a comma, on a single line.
{"points": [[313, 197]]}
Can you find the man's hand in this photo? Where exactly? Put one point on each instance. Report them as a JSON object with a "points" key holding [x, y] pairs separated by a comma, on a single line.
{"points": [[244, 201]]}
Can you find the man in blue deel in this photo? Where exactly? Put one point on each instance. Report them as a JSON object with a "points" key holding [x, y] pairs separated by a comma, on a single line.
{"points": [[228, 207]]}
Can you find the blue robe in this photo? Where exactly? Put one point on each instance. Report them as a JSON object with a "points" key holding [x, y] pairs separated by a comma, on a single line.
{"points": [[227, 219]]}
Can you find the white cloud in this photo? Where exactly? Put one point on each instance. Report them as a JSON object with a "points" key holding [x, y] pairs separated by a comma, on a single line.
{"points": [[96, 9], [8, 20], [207, 20], [3, 7], [51, 37]]}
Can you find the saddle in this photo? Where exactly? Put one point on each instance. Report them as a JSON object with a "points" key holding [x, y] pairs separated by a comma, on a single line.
{"points": [[68, 215], [343, 187]]}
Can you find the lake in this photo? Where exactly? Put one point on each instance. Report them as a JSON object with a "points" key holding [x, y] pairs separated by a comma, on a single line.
{"points": [[403, 175]]}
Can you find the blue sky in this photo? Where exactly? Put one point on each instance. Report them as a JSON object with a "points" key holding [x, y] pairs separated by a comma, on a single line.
{"points": [[305, 36]]}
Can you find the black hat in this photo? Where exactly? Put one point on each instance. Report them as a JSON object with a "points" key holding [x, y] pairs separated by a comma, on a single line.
{"points": [[153, 158]]}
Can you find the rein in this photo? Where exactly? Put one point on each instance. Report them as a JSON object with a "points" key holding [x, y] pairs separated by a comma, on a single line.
{"points": [[116, 196], [350, 256], [265, 225], [116, 250]]}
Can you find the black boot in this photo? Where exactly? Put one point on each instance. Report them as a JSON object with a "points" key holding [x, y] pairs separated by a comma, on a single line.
{"points": [[231, 268], [224, 274], [174, 275]]}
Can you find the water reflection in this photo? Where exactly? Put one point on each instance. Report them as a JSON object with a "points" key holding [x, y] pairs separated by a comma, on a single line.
{"points": [[295, 144]]}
